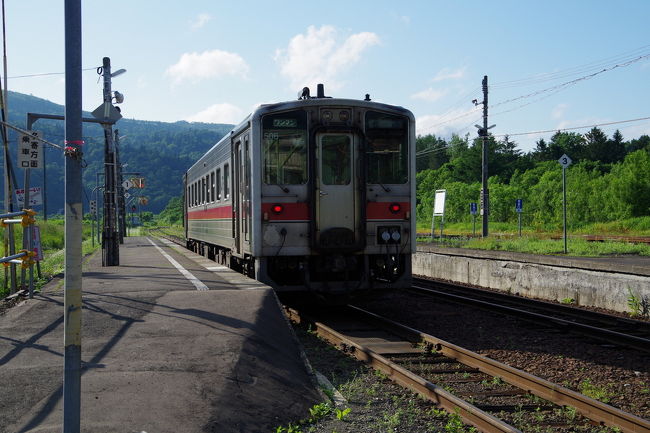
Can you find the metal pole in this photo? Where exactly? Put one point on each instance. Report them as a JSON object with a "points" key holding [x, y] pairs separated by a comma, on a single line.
{"points": [[110, 241], [564, 207], [73, 226], [44, 148], [120, 190], [484, 171]]}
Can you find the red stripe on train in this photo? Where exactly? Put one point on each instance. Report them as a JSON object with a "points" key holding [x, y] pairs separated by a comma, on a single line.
{"points": [[382, 210], [300, 211], [213, 213], [289, 211]]}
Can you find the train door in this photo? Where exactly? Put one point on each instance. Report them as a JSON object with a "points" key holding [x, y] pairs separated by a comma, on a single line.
{"points": [[236, 196], [336, 207]]}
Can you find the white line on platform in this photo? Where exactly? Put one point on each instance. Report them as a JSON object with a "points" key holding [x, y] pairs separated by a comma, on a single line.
{"points": [[187, 274]]}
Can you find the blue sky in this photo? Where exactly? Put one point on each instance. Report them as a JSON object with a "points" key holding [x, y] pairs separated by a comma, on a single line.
{"points": [[215, 61]]}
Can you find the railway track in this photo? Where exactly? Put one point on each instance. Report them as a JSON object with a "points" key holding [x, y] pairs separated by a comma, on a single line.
{"points": [[588, 238], [159, 231], [616, 330], [486, 394]]}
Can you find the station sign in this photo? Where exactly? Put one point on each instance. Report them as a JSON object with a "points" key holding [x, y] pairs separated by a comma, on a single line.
{"points": [[519, 205], [35, 196], [473, 208], [30, 154]]}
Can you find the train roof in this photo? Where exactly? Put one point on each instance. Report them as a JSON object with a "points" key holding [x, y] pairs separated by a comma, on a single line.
{"points": [[306, 102]]}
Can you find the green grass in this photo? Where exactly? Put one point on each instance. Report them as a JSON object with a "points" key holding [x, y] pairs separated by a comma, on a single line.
{"points": [[505, 237], [52, 241]]}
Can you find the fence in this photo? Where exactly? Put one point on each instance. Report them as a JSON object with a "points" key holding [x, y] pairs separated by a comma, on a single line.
{"points": [[25, 257]]}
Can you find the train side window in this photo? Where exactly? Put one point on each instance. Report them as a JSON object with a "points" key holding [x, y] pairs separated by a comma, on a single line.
{"points": [[188, 196], [212, 187], [218, 184], [226, 177]]}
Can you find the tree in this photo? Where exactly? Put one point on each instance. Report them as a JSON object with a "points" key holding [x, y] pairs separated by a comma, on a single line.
{"points": [[431, 152], [597, 146], [571, 143]]}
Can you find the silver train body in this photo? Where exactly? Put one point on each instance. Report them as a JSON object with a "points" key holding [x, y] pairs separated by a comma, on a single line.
{"points": [[316, 194]]}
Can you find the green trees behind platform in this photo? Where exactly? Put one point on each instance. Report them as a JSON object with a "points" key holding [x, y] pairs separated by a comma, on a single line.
{"points": [[609, 179]]}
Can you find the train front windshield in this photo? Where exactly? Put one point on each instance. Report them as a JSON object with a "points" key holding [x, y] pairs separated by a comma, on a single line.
{"points": [[285, 148], [387, 136]]}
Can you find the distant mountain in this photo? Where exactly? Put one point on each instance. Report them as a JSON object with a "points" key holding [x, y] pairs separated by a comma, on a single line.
{"points": [[160, 151]]}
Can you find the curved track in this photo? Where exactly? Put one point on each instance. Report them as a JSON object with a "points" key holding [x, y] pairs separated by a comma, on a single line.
{"points": [[485, 393]]}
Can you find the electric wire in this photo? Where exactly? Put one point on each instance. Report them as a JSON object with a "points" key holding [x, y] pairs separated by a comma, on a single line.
{"points": [[45, 74], [581, 69]]}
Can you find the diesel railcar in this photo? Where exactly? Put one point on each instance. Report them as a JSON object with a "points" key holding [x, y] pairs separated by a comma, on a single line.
{"points": [[316, 194]]}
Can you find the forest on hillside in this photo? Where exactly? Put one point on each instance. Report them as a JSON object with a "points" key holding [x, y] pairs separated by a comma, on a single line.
{"points": [[609, 179], [160, 151]]}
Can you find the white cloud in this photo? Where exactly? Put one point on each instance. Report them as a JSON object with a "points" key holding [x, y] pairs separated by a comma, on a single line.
{"points": [[200, 21], [448, 74], [208, 64], [559, 111], [430, 95], [319, 57], [218, 113]]}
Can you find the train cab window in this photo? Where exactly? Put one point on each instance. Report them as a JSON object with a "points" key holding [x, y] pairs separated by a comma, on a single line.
{"points": [[219, 184], [284, 148], [226, 191], [387, 136]]}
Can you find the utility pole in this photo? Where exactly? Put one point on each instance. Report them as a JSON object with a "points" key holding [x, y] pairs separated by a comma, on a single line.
{"points": [[110, 238], [483, 133], [484, 171], [73, 215], [120, 197]]}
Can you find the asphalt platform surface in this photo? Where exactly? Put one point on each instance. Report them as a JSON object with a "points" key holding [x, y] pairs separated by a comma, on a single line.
{"points": [[160, 353]]}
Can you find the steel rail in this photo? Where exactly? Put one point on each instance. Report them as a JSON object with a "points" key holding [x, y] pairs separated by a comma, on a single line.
{"points": [[614, 337], [535, 303], [452, 404], [590, 408]]}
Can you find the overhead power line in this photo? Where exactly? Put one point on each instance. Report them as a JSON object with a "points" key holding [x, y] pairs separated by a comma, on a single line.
{"points": [[573, 82], [45, 74], [574, 127], [576, 70]]}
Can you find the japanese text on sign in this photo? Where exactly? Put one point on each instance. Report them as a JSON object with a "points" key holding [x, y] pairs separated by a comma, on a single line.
{"points": [[30, 154]]}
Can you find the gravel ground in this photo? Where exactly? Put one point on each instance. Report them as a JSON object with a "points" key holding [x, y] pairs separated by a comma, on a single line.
{"points": [[616, 376]]}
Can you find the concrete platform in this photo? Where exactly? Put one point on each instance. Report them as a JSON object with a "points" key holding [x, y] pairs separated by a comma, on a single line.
{"points": [[160, 353], [604, 282]]}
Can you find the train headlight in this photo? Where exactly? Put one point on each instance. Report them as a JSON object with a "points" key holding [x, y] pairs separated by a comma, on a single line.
{"points": [[344, 116], [385, 236], [327, 116], [395, 207], [277, 209], [395, 236]]}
